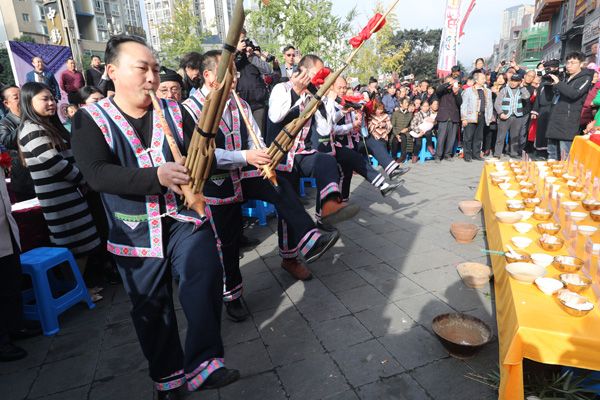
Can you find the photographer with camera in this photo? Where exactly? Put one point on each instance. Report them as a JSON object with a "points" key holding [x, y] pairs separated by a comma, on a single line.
{"points": [[542, 107], [251, 85], [569, 94]]}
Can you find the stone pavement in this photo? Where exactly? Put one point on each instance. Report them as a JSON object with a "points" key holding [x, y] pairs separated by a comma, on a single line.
{"points": [[361, 329]]}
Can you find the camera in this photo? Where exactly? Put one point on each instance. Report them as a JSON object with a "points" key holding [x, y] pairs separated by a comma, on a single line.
{"points": [[270, 58], [248, 42]]}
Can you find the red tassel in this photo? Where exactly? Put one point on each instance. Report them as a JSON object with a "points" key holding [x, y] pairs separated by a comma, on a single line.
{"points": [[5, 160], [365, 34], [353, 99], [320, 76]]}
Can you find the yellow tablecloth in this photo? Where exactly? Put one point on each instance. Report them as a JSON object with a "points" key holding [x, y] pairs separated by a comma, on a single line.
{"points": [[587, 153], [530, 324]]}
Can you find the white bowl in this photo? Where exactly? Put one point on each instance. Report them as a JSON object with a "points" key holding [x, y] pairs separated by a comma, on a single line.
{"points": [[525, 272], [586, 230], [508, 217], [569, 205], [521, 242], [578, 216], [522, 227], [542, 259], [504, 186], [511, 194], [551, 179], [525, 215], [548, 285], [498, 174]]}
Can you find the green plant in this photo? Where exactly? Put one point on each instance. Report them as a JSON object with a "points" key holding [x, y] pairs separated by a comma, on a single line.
{"points": [[554, 386]]}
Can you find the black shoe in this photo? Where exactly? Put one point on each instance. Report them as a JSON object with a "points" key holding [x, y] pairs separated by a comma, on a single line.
{"points": [[10, 352], [25, 333], [236, 311], [167, 394], [323, 243], [391, 187], [398, 172], [326, 227], [246, 242], [219, 378], [477, 158]]}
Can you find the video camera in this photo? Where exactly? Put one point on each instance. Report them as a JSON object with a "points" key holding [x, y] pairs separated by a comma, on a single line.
{"points": [[250, 43]]}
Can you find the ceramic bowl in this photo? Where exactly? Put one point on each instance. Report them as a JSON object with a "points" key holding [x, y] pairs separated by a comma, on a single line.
{"points": [[516, 256], [577, 196], [511, 194], [532, 203], [522, 227], [499, 174], [551, 243], [508, 217], [569, 205], [595, 215], [578, 216], [528, 193], [548, 286], [590, 204], [499, 180], [542, 259], [474, 275], [542, 214], [569, 177], [515, 205], [526, 185], [525, 215], [549, 228], [557, 172], [525, 272], [470, 207], [575, 282], [521, 178], [504, 186], [578, 306], [551, 179], [586, 230], [521, 242], [464, 232], [575, 186], [567, 264], [462, 335]]}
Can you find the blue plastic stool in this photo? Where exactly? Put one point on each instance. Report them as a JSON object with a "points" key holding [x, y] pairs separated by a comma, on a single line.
{"points": [[373, 160], [258, 209], [303, 181], [36, 263], [424, 154]]}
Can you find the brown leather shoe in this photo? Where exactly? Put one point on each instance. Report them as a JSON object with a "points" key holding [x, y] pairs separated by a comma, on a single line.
{"points": [[297, 269], [334, 211]]}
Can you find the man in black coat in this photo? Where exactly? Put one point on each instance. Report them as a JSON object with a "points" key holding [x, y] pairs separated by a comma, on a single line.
{"points": [[569, 95], [93, 75], [448, 118], [542, 108]]}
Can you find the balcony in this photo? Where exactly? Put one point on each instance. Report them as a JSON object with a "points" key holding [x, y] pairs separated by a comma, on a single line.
{"points": [[544, 9]]}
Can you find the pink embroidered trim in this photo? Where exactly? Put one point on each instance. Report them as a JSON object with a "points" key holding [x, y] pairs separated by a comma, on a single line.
{"points": [[309, 240], [200, 377], [171, 384], [234, 293], [285, 251], [333, 187], [391, 167]]}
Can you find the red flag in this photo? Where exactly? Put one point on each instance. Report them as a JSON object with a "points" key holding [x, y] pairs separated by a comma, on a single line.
{"points": [[320, 76], [376, 23]]}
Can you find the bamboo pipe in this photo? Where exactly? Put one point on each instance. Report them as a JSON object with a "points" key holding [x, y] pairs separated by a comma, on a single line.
{"points": [[266, 171], [192, 201]]}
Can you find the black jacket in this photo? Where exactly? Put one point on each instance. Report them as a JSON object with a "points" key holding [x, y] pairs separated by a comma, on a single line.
{"points": [[449, 103], [21, 182], [566, 112], [93, 76], [251, 85]]}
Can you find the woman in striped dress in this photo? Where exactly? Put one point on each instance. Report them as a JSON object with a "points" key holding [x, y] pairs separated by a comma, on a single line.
{"points": [[59, 185]]}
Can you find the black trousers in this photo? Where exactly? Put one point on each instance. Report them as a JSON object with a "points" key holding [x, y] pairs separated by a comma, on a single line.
{"points": [[418, 142], [489, 136], [446, 137], [296, 230], [351, 161], [323, 167], [11, 303], [513, 125], [377, 149], [193, 254], [473, 138]]}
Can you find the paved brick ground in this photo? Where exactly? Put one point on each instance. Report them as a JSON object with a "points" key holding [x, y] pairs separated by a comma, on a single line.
{"points": [[360, 330]]}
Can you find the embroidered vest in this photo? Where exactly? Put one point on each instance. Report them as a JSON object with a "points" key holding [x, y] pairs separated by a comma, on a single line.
{"points": [[135, 222], [224, 186], [351, 138], [512, 104]]}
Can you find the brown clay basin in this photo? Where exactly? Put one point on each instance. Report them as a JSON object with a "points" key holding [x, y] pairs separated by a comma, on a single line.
{"points": [[464, 232], [461, 334]]}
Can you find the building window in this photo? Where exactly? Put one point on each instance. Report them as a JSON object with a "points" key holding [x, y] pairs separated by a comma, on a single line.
{"points": [[101, 22], [114, 9], [98, 5], [25, 17], [45, 29]]}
